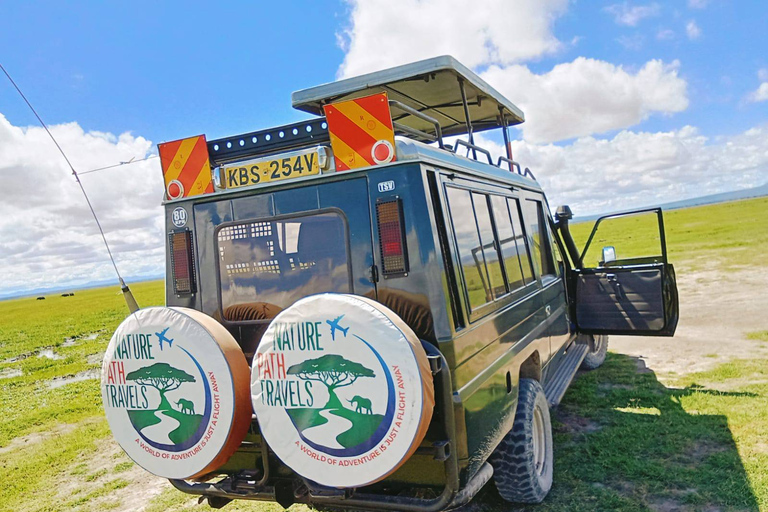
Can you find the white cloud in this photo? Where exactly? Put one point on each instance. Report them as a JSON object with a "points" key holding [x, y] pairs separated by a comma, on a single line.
{"points": [[573, 99], [47, 234], [665, 35], [761, 94], [697, 4], [636, 169], [692, 30], [762, 74], [589, 96], [385, 33], [633, 42], [631, 15]]}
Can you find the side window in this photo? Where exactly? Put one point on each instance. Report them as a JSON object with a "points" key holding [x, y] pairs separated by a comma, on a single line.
{"points": [[511, 242], [468, 241], [542, 246], [491, 255], [521, 240]]}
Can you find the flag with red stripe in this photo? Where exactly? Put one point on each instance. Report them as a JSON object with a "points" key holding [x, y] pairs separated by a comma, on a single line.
{"points": [[186, 167], [361, 132]]}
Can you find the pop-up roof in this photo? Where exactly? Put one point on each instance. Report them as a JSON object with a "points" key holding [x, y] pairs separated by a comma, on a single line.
{"points": [[432, 86]]}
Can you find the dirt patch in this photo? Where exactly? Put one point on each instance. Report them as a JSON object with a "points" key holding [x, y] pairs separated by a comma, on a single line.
{"points": [[57, 382], [130, 488], [10, 373], [704, 449], [575, 424], [36, 437], [715, 316]]}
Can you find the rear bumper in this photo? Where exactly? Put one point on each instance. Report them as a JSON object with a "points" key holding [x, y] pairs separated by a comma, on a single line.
{"points": [[286, 491]]}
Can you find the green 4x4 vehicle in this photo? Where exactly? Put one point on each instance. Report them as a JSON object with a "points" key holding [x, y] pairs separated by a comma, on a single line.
{"points": [[362, 315]]}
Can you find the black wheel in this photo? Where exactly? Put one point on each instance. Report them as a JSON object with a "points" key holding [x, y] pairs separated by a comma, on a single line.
{"points": [[522, 463], [597, 352]]}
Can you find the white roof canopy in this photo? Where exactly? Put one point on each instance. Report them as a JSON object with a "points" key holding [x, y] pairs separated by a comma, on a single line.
{"points": [[432, 87]]}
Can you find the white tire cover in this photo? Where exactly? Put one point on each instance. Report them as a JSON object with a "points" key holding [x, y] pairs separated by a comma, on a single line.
{"points": [[175, 387], [342, 389]]}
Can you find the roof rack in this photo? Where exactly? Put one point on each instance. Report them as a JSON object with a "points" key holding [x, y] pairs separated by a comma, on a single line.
{"points": [[272, 140]]}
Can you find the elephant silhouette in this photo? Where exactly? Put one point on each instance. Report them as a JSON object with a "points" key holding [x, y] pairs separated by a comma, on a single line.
{"points": [[186, 406], [362, 405]]}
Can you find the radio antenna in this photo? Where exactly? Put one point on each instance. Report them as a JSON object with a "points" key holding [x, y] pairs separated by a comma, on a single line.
{"points": [[129, 300]]}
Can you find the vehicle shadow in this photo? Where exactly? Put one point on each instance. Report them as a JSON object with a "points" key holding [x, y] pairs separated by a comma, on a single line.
{"points": [[625, 441]]}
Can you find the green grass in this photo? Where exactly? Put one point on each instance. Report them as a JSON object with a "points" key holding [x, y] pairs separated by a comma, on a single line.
{"points": [[624, 441], [723, 236], [27, 402]]}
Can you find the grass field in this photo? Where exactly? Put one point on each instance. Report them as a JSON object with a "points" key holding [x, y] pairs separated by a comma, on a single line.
{"points": [[624, 440]]}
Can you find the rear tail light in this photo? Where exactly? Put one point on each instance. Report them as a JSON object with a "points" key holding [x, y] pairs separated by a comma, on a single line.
{"points": [[182, 262], [394, 253]]}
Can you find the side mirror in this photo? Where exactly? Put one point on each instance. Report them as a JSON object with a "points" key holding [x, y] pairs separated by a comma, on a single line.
{"points": [[609, 254]]}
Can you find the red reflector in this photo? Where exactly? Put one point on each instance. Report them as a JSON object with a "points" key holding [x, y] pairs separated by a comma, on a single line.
{"points": [[182, 262], [394, 253]]}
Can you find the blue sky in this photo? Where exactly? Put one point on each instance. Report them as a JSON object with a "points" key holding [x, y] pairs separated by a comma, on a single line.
{"points": [[166, 70], [628, 103]]}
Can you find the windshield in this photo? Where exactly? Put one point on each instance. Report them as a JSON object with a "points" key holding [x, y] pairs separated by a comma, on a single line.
{"points": [[266, 266]]}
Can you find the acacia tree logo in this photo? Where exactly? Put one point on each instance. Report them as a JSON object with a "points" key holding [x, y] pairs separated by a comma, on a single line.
{"points": [[334, 372], [162, 377]]}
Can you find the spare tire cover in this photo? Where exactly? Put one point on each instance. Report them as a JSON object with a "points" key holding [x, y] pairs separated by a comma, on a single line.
{"points": [[342, 389], [175, 387]]}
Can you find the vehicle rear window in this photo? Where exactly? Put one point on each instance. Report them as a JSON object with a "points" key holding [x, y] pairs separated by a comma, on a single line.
{"points": [[265, 266]]}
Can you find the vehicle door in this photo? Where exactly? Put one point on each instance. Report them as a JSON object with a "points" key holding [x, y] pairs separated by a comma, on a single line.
{"points": [[545, 260], [625, 284]]}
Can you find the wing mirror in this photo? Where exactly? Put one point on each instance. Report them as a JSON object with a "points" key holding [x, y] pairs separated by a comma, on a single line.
{"points": [[609, 254]]}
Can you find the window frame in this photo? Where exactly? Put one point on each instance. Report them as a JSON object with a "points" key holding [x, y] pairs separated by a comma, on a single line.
{"points": [[510, 297], [538, 200], [276, 218]]}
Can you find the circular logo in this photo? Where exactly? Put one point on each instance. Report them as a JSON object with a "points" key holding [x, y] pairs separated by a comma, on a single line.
{"points": [[175, 189], [169, 391], [341, 389], [382, 152], [179, 217]]}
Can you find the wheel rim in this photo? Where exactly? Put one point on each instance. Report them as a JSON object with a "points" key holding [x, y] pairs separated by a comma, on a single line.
{"points": [[539, 442], [597, 343]]}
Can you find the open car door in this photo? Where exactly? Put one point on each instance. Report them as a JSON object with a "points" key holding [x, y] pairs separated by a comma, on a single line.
{"points": [[624, 283]]}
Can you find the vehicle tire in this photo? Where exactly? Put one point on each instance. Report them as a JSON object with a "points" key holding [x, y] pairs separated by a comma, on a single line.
{"points": [[523, 461], [596, 355]]}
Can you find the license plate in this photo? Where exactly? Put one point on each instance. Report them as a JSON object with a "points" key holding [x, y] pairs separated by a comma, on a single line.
{"points": [[268, 170]]}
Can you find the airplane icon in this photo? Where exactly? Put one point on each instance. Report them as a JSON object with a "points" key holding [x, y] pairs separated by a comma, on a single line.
{"points": [[161, 337], [335, 325]]}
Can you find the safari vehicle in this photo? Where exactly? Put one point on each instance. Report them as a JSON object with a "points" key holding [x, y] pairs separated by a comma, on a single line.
{"points": [[407, 240]]}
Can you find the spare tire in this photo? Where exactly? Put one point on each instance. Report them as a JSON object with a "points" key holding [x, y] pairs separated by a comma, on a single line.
{"points": [[342, 389], [175, 387]]}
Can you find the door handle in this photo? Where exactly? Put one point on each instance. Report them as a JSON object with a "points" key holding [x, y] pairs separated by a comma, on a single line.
{"points": [[616, 285], [548, 310]]}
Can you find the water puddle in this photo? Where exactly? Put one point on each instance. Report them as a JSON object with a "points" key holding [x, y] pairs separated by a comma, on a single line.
{"points": [[68, 342], [57, 382], [50, 354], [95, 358], [18, 358], [10, 373]]}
